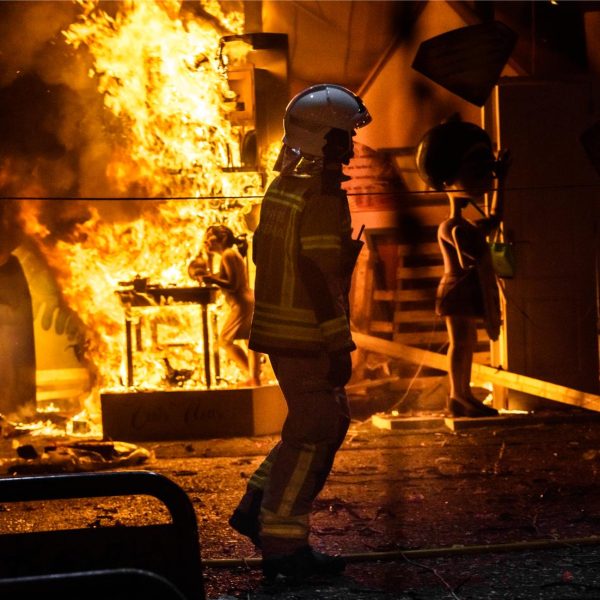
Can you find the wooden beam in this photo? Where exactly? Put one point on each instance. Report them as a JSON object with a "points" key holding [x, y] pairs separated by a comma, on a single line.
{"points": [[368, 383], [514, 381]]}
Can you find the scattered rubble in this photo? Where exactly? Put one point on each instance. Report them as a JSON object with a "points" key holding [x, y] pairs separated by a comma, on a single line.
{"points": [[74, 457]]}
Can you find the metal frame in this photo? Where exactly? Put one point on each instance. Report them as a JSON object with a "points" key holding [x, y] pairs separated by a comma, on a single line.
{"points": [[171, 551]]}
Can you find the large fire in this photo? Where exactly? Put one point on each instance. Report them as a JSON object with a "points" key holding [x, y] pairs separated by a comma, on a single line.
{"points": [[175, 154]]}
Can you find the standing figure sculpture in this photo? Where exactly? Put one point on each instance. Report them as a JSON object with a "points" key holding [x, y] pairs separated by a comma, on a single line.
{"points": [[304, 255], [232, 278], [457, 157]]}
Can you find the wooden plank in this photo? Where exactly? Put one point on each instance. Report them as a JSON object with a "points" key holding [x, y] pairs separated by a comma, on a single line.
{"points": [[404, 295], [402, 351], [407, 423], [413, 316], [59, 394], [422, 338], [437, 336], [514, 381], [422, 382], [58, 377], [434, 272], [381, 326]]}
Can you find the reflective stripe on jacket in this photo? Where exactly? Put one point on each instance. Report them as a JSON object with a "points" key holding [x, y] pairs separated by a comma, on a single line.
{"points": [[299, 221]]}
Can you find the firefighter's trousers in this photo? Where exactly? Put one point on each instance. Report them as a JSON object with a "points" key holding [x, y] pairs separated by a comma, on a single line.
{"points": [[295, 470]]}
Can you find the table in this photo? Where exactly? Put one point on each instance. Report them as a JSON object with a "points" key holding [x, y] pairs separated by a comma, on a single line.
{"points": [[156, 296]]}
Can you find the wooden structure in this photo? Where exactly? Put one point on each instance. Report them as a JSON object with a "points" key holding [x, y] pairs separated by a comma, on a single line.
{"points": [[552, 215], [192, 414], [550, 307], [395, 285], [149, 296], [513, 381]]}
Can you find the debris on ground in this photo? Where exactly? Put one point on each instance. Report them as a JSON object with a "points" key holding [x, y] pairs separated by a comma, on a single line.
{"points": [[74, 457]]}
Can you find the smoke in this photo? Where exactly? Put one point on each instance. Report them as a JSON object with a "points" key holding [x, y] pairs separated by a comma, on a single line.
{"points": [[56, 141], [47, 101], [27, 31], [56, 136]]}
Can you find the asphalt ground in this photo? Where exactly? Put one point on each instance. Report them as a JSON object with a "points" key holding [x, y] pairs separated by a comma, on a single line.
{"points": [[557, 574], [417, 510]]}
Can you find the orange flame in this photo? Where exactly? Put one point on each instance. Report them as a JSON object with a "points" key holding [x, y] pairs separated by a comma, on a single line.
{"points": [[167, 97]]}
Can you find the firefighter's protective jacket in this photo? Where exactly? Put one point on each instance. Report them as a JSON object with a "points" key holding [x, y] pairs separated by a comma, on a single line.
{"points": [[304, 257]]}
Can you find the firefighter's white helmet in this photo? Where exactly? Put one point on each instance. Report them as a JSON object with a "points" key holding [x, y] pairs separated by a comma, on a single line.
{"points": [[312, 113]]}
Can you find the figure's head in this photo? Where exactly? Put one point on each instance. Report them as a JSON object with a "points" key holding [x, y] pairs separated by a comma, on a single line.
{"points": [[459, 155], [218, 237], [324, 114]]}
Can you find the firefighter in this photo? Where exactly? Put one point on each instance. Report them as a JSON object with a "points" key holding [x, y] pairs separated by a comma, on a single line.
{"points": [[304, 256]]}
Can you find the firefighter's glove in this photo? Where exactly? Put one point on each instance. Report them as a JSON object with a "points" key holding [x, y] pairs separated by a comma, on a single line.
{"points": [[340, 368]]}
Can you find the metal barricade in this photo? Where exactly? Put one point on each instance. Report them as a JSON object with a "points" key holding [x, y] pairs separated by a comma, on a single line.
{"points": [[170, 551]]}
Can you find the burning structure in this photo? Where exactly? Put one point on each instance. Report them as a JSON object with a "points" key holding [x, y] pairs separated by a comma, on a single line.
{"points": [[146, 132], [129, 127]]}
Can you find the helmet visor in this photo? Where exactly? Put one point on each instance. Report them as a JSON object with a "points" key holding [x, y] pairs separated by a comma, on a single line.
{"points": [[363, 117]]}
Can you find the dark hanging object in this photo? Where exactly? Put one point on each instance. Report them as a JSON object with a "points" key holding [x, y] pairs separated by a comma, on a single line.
{"points": [[467, 61], [590, 140]]}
